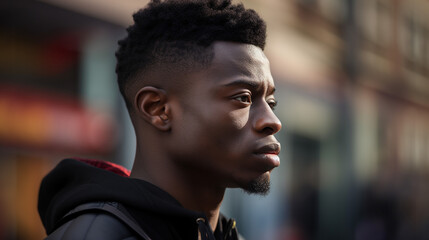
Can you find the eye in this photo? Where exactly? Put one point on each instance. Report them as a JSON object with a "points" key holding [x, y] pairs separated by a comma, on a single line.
{"points": [[272, 103], [244, 98]]}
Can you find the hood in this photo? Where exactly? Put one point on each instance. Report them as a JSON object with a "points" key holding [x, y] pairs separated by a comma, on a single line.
{"points": [[76, 181]]}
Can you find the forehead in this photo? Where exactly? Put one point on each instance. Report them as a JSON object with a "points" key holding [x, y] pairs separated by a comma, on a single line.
{"points": [[230, 51], [237, 60]]}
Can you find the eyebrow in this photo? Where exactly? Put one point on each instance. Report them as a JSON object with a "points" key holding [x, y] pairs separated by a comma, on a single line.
{"points": [[242, 82], [253, 85]]}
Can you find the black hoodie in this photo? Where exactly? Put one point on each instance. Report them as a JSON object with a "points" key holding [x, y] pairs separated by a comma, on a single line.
{"points": [[74, 182]]}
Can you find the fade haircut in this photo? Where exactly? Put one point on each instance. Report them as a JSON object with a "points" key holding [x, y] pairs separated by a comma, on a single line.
{"points": [[179, 32]]}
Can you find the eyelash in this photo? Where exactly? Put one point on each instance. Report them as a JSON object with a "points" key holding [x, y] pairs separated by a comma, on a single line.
{"points": [[241, 97], [273, 104], [248, 100]]}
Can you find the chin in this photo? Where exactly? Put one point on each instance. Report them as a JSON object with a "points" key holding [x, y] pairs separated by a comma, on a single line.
{"points": [[260, 185]]}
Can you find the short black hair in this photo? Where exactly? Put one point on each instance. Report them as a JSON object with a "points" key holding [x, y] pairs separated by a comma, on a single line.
{"points": [[180, 31]]}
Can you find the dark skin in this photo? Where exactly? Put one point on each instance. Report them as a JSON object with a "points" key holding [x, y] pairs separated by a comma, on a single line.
{"points": [[214, 132]]}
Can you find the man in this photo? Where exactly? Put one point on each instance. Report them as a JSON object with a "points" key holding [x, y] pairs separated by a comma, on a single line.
{"points": [[200, 96]]}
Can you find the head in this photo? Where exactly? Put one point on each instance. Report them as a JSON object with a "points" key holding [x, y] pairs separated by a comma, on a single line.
{"points": [[194, 78]]}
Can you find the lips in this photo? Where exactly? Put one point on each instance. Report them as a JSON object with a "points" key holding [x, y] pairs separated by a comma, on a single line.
{"points": [[268, 154], [272, 148]]}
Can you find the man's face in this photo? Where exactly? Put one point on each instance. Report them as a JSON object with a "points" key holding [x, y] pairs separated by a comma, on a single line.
{"points": [[223, 121]]}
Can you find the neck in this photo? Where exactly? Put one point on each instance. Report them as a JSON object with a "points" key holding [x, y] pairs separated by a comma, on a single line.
{"points": [[193, 190]]}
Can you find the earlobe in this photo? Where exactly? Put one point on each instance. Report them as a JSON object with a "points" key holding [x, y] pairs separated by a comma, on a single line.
{"points": [[151, 104]]}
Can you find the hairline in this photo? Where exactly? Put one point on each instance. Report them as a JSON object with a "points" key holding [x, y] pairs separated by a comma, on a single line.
{"points": [[168, 69]]}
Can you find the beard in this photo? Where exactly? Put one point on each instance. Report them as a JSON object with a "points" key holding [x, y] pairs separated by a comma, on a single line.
{"points": [[260, 185]]}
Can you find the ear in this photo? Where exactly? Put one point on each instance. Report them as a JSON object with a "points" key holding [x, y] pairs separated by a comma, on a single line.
{"points": [[153, 107]]}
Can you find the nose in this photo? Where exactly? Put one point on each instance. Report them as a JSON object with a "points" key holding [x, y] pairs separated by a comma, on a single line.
{"points": [[266, 121]]}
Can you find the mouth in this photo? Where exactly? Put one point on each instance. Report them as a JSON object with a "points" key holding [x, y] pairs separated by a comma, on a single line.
{"points": [[269, 154], [272, 148]]}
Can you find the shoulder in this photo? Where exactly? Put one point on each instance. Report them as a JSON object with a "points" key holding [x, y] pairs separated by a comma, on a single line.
{"points": [[91, 226]]}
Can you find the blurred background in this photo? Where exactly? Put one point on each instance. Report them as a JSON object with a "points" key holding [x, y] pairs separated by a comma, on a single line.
{"points": [[353, 89]]}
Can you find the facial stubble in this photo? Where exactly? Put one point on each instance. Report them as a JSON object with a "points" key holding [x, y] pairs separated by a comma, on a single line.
{"points": [[260, 185]]}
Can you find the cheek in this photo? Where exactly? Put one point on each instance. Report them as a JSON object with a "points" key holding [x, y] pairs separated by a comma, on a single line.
{"points": [[226, 133], [238, 119], [213, 133]]}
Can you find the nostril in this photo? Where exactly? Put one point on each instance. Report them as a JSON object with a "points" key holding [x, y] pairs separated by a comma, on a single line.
{"points": [[268, 130]]}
